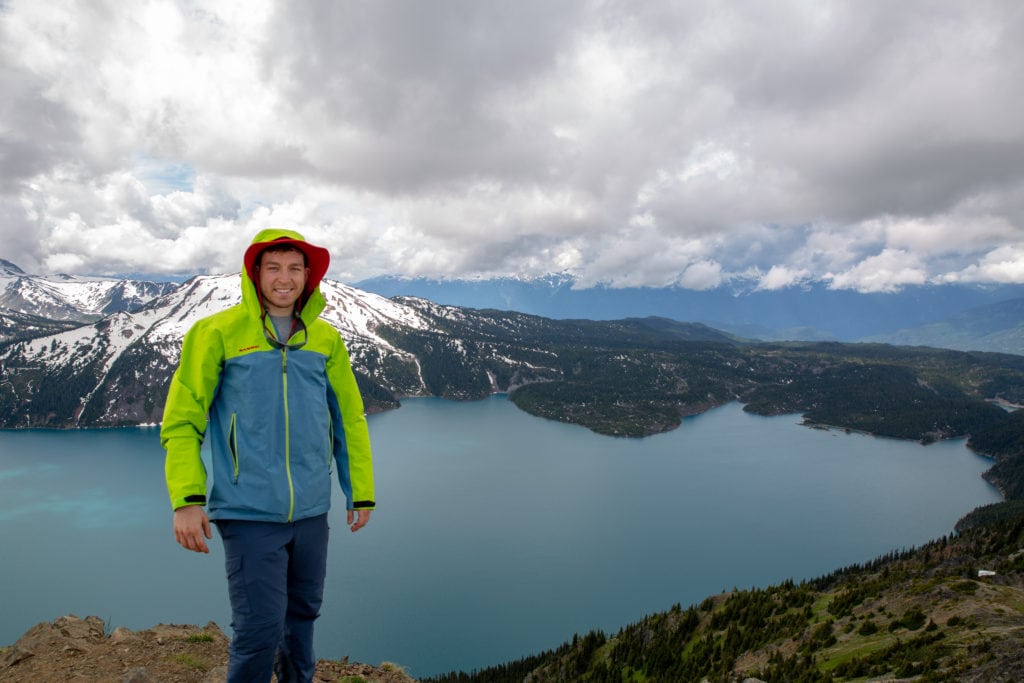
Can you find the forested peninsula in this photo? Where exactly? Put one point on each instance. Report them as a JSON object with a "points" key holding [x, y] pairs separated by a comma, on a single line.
{"points": [[916, 393]]}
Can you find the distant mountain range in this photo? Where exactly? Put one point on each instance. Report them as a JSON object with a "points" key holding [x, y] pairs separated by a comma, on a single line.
{"points": [[964, 317], [632, 376]]}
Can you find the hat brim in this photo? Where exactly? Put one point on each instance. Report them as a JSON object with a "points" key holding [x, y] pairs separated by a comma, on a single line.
{"points": [[318, 259]]}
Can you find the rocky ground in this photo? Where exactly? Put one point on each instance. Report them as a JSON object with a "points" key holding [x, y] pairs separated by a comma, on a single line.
{"points": [[74, 649]]}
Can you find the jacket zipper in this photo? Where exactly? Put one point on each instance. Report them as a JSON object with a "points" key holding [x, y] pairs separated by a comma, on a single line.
{"points": [[330, 445], [233, 443], [287, 436]]}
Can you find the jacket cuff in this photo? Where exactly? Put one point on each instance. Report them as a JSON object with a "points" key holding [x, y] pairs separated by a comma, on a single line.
{"points": [[194, 499]]}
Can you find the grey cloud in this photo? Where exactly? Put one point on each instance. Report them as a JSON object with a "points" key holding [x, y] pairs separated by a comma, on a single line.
{"points": [[425, 88], [632, 142], [861, 109], [20, 236], [367, 59], [927, 111], [37, 132]]}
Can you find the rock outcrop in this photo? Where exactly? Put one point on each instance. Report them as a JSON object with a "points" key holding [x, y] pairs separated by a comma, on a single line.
{"points": [[74, 649]]}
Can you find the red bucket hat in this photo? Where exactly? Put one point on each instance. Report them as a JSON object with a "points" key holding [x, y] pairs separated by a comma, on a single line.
{"points": [[317, 258]]}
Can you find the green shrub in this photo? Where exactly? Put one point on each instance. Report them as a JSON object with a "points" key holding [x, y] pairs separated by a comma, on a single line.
{"points": [[914, 619], [868, 628]]}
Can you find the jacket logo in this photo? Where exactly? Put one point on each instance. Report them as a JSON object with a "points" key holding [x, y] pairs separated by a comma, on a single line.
{"points": [[247, 348]]}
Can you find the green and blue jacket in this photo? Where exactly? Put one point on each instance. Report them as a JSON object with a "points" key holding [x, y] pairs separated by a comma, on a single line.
{"points": [[280, 415]]}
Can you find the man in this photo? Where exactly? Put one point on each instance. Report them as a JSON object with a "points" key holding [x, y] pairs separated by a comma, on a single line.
{"points": [[271, 386]]}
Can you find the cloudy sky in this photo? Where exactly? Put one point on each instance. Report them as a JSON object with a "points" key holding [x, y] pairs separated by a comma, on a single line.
{"points": [[864, 144]]}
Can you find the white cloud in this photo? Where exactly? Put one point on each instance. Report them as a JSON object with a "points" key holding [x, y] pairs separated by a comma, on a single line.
{"points": [[702, 275], [781, 277], [1005, 264], [869, 145], [960, 232], [884, 272]]}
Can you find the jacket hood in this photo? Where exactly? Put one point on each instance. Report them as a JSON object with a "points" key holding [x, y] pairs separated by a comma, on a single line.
{"points": [[312, 302]]}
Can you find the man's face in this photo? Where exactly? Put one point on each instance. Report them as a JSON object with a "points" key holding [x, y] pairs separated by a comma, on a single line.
{"points": [[282, 276]]}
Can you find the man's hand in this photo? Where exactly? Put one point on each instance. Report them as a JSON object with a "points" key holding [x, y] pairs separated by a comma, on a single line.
{"points": [[360, 517], [190, 525]]}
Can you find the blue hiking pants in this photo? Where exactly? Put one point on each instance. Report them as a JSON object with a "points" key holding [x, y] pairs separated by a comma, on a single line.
{"points": [[276, 584]]}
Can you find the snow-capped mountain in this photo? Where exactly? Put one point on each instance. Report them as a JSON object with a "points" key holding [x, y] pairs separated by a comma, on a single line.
{"points": [[69, 298], [116, 371]]}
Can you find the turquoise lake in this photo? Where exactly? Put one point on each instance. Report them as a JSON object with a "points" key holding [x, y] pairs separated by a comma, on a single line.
{"points": [[497, 534]]}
